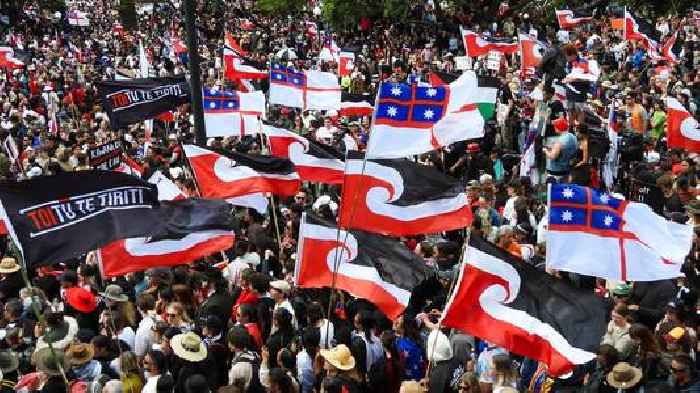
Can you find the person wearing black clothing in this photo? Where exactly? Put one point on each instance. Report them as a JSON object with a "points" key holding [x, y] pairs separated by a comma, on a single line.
{"points": [[282, 336], [648, 300], [220, 302], [214, 334], [104, 354], [190, 349]]}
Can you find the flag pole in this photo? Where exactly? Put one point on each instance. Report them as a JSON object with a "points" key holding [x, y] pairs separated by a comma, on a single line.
{"points": [[460, 265], [37, 311], [273, 205], [195, 73]]}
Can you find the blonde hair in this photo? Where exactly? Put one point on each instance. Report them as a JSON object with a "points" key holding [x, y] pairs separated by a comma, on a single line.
{"points": [[180, 310]]}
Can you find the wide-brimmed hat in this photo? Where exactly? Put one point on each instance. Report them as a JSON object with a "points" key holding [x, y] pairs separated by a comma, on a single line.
{"points": [[47, 363], [281, 285], [189, 346], [8, 362], [79, 354], [81, 299], [9, 265], [115, 293], [340, 357], [624, 376]]}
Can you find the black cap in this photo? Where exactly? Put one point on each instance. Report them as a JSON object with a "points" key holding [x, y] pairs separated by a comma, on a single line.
{"points": [[69, 276]]}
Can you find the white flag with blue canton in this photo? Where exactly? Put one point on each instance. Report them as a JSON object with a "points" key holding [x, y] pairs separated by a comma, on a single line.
{"points": [[411, 119], [595, 234], [308, 90], [232, 113]]}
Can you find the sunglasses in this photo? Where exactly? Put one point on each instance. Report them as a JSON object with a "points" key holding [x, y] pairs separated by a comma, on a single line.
{"points": [[678, 370], [171, 315]]}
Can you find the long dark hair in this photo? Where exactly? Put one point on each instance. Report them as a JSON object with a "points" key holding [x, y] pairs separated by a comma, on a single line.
{"points": [[388, 339], [280, 377]]}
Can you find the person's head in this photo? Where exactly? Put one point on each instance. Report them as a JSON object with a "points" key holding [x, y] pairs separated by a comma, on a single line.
{"points": [[197, 383], [102, 345], [287, 359], [607, 356], [469, 383], [282, 319], [314, 312], [682, 369], [279, 290], [154, 362], [13, 309], [619, 315], [128, 363], [145, 303], [570, 52], [238, 339], [176, 314], [165, 339], [280, 381], [643, 337]]}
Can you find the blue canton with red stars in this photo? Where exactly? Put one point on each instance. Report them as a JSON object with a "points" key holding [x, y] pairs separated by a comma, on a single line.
{"points": [[281, 75], [584, 209], [411, 106]]}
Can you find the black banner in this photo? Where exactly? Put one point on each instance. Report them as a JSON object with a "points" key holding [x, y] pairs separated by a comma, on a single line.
{"points": [[55, 218], [132, 101], [106, 157]]}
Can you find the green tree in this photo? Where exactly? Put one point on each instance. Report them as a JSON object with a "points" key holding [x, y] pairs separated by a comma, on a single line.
{"points": [[284, 7]]}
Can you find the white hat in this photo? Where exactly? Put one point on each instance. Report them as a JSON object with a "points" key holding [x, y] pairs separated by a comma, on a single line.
{"points": [[189, 346], [34, 171], [172, 136], [281, 285]]}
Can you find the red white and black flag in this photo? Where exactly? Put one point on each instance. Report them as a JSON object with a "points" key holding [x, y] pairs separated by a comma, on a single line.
{"points": [[231, 174], [373, 267], [477, 45], [356, 104], [138, 254], [522, 309], [399, 197], [640, 29], [56, 218], [672, 50], [314, 162], [571, 18]]}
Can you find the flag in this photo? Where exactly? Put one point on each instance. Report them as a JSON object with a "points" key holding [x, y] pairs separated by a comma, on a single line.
{"points": [[639, 29], [309, 90], [138, 254], [346, 63], [237, 67], [311, 28], [314, 162], [531, 51], [352, 105], [377, 268], [247, 24], [672, 50], [257, 201], [440, 78], [476, 45], [400, 198], [135, 100], [56, 218], [8, 59], [571, 18], [627, 240], [681, 127], [232, 113], [231, 45], [486, 95], [515, 306], [78, 18], [129, 166], [330, 50], [411, 119], [237, 174]]}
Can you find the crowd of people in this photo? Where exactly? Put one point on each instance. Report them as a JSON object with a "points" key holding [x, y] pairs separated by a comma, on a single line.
{"points": [[235, 322]]}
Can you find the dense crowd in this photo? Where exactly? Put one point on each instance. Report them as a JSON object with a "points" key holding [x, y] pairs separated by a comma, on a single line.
{"points": [[235, 322]]}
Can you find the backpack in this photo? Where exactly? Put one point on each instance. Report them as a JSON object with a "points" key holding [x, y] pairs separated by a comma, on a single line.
{"points": [[255, 384]]}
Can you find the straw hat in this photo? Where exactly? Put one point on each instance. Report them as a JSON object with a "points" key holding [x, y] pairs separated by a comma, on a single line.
{"points": [[340, 357], [79, 354], [81, 299], [624, 376], [115, 293], [47, 363], [9, 265], [189, 346]]}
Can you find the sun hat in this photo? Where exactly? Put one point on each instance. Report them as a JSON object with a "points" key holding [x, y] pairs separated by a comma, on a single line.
{"points": [[47, 363], [8, 362], [281, 285], [624, 376], [339, 357], [9, 265], [81, 299], [189, 346], [79, 354], [115, 293]]}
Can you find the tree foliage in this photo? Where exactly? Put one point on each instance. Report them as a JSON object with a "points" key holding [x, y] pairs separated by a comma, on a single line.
{"points": [[281, 7]]}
